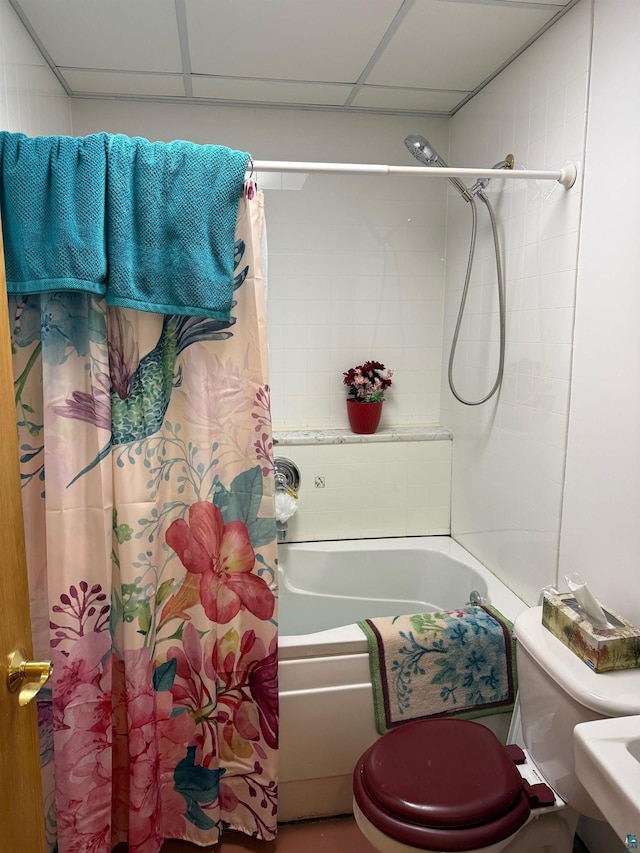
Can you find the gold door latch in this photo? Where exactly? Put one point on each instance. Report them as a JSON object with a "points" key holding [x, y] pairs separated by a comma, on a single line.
{"points": [[27, 677]]}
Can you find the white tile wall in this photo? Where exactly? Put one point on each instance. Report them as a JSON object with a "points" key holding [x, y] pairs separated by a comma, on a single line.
{"points": [[31, 99], [508, 464], [371, 490], [356, 272]]}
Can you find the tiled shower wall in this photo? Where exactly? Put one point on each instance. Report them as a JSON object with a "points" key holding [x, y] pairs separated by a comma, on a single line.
{"points": [[356, 271], [509, 455], [361, 490], [31, 99]]}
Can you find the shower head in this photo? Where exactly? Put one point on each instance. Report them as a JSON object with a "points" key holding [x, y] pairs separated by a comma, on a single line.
{"points": [[428, 156], [422, 151]]}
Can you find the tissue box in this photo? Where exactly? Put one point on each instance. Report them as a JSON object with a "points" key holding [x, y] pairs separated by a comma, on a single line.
{"points": [[602, 649]]}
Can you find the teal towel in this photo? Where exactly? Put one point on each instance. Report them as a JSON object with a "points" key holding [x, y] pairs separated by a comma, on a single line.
{"points": [[52, 192], [149, 225], [171, 219], [459, 663]]}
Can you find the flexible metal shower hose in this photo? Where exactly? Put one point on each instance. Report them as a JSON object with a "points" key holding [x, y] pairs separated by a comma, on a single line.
{"points": [[501, 304]]}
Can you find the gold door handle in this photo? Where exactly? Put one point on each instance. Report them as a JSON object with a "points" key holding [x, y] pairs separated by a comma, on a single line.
{"points": [[26, 677]]}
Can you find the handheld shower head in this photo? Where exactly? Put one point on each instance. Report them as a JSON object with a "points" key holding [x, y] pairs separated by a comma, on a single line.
{"points": [[424, 153], [428, 156]]}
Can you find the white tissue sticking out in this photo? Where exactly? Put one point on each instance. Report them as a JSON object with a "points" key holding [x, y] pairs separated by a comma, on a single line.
{"points": [[546, 591], [286, 505], [587, 602]]}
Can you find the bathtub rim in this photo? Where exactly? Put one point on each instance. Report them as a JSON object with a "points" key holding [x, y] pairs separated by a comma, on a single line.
{"points": [[349, 639]]}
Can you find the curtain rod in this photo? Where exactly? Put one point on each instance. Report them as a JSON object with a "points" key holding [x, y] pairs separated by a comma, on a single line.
{"points": [[565, 176]]}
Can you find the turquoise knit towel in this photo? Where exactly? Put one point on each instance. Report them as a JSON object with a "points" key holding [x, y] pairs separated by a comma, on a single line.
{"points": [[170, 224], [52, 192], [150, 225]]}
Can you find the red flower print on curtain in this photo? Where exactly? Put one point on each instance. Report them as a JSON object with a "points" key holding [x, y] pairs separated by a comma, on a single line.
{"points": [[222, 556]]}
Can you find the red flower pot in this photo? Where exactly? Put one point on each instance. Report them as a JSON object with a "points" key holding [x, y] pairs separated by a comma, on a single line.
{"points": [[363, 417]]}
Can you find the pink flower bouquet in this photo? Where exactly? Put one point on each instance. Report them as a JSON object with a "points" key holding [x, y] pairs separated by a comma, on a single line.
{"points": [[367, 382]]}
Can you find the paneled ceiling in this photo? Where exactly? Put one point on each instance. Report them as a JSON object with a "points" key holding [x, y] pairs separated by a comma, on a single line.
{"points": [[391, 56]]}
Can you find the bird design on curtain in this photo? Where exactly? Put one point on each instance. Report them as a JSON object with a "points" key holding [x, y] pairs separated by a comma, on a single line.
{"points": [[132, 398]]}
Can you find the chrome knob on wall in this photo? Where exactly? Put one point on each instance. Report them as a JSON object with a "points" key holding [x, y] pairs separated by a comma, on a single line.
{"points": [[287, 474], [287, 481]]}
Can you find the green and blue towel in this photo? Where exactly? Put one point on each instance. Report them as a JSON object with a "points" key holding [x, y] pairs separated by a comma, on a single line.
{"points": [[458, 663]]}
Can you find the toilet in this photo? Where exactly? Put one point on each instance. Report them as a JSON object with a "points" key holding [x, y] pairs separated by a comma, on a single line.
{"points": [[446, 785]]}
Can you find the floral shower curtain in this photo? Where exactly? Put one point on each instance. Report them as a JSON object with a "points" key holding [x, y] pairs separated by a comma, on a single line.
{"points": [[147, 473]]}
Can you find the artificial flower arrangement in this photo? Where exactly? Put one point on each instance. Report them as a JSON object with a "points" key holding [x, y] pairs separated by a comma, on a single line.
{"points": [[367, 382]]}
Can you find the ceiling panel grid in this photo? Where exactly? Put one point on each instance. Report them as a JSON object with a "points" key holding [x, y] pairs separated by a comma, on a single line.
{"points": [[421, 57]]}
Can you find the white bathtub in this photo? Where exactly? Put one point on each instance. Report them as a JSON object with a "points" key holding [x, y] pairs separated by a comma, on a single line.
{"points": [[326, 705]]}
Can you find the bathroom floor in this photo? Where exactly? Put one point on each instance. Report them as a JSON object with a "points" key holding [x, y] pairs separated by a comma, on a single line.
{"points": [[335, 835]]}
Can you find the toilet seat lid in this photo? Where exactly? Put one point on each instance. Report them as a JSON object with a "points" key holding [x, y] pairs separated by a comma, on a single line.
{"points": [[444, 774]]}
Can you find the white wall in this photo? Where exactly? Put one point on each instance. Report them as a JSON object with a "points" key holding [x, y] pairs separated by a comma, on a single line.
{"points": [[31, 99], [600, 529], [509, 454]]}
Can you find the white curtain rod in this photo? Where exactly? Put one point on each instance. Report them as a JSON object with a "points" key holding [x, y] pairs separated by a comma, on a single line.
{"points": [[565, 176]]}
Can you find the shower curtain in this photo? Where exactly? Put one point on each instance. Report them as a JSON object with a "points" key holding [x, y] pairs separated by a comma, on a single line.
{"points": [[147, 475]]}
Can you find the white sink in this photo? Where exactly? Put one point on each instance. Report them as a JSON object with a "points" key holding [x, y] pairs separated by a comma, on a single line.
{"points": [[607, 754]]}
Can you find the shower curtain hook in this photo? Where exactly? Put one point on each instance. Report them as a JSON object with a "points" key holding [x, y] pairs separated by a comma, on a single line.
{"points": [[250, 186]]}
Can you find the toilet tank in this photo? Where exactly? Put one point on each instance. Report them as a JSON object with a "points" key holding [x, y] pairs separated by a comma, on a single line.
{"points": [[557, 691]]}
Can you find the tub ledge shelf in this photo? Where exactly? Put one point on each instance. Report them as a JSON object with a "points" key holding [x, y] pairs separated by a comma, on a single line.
{"points": [[293, 437]]}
